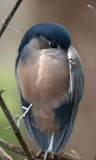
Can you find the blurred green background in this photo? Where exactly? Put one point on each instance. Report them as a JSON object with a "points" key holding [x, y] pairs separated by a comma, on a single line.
{"points": [[81, 24]]}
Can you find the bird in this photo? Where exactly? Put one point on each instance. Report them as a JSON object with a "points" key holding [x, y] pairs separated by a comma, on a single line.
{"points": [[50, 78]]}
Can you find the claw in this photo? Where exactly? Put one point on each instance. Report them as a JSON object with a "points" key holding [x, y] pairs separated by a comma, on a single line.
{"points": [[39, 153], [47, 153], [52, 155]]}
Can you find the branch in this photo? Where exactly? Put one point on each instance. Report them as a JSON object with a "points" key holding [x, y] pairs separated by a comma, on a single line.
{"points": [[15, 128], [19, 150], [4, 155], [12, 147], [92, 8], [7, 20]]}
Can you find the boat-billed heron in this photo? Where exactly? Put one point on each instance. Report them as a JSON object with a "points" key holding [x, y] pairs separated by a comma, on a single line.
{"points": [[49, 76]]}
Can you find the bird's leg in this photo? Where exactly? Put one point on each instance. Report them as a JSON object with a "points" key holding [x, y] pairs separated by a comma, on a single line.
{"points": [[50, 149], [39, 153]]}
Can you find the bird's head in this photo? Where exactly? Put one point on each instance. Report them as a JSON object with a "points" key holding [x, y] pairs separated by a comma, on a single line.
{"points": [[55, 34]]}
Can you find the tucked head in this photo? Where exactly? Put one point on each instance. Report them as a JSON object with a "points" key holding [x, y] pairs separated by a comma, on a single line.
{"points": [[52, 31]]}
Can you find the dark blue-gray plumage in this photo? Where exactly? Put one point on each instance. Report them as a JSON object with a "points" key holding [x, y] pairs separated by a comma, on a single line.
{"points": [[49, 76]]}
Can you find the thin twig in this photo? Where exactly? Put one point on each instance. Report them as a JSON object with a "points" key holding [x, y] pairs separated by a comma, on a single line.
{"points": [[6, 22], [2, 90], [11, 28], [12, 147], [19, 150], [92, 8], [15, 129], [76, 154], [4, 155]]}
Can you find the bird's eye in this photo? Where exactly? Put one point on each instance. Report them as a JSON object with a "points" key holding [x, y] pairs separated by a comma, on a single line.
{"points": [[53, 45]]}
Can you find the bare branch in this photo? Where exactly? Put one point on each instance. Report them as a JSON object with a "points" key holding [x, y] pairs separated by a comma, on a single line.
{"points": [[92, 8], [19, 150], [76, 154], [12, 147], [2, 90], [7, 20], [4, 155], [15, 129], [11, 28]]}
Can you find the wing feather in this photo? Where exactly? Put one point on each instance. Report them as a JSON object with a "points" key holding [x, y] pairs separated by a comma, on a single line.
{"points": [[76, 86]]}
